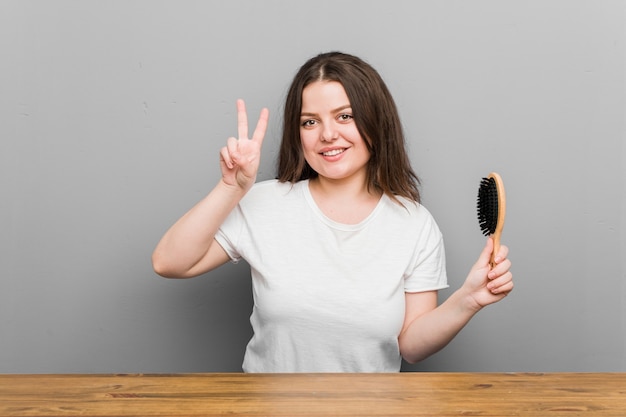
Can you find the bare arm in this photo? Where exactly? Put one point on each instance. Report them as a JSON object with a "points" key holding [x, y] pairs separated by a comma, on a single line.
{"points": [[428, 328], [189, 248]]}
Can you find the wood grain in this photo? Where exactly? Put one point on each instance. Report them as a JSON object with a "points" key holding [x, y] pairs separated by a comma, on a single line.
{"points": [[402, 394]]}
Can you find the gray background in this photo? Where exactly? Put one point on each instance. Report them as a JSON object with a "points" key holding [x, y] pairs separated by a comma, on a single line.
{"points": [[113, 113]]}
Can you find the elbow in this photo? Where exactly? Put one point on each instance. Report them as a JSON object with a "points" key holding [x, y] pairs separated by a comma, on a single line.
{"points": [[162, 268], [412, 353], [406, 355], [415, 353], [411, 359]]}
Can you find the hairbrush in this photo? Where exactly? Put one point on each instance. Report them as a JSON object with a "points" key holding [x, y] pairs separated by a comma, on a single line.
{"points": [[492, 209]]}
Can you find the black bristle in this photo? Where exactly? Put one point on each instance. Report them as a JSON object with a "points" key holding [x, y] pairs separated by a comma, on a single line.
{"points": [[487, 206]]}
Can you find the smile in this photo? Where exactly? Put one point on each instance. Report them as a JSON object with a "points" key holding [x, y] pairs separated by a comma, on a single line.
{"points": [[334, 152]]}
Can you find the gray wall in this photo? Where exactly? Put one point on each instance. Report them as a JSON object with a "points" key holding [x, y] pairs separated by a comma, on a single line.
{"points": [[112, 115]]}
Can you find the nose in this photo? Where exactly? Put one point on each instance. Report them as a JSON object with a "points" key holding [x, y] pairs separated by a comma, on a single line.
{"points": [[329, 133]]}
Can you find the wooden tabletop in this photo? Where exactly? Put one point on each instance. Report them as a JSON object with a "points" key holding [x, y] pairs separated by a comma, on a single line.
{"points": [[401, 394]]}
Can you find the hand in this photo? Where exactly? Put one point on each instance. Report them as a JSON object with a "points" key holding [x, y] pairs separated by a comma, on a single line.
{"points": [[239, 159], [486, 285]]}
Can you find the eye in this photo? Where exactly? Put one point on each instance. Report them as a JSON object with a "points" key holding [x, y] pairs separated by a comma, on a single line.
{"points": [[308, 123], [344, 117]]}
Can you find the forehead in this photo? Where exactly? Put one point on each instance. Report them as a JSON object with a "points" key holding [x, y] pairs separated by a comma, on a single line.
{"points": [[324, 95]]}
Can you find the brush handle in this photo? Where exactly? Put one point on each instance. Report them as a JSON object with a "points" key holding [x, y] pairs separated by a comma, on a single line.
{"points": [[501, 216]]}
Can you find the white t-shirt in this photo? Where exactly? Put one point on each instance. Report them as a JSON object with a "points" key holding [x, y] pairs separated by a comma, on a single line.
{"points": [[329, 297]]}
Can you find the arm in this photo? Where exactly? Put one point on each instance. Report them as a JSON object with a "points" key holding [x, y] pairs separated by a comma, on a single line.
{"points": [[189, 248], [428, 328]]}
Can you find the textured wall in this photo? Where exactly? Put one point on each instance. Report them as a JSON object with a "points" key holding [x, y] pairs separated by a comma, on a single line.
{"points": [[112, 115]]}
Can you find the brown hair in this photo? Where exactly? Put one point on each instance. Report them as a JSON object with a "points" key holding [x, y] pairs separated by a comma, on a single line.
{"points": [[375, 115]]}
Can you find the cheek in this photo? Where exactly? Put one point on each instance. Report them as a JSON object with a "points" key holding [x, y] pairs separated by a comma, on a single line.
{"points": [[307, 140], [357, 139]]}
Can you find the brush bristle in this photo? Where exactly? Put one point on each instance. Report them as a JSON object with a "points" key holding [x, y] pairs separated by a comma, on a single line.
{"points": [[487, 206]]}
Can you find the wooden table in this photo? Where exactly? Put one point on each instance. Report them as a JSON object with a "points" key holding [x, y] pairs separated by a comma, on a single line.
{"points": [[402, 394]]}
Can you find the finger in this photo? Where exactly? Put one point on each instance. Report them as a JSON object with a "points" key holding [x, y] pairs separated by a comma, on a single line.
{"points": [[500, 269], [225, 157], [500, 279], [261, 126], [502, 254], [232, 148], [505, 287], [242, 119]]}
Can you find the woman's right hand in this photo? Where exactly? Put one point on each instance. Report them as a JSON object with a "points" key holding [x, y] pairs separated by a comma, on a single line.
{"points": [[240, 158]]}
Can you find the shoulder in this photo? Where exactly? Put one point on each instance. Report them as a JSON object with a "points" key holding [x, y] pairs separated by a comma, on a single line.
{"points": [[271, 192], [407, 208], [411, 215], [273, 187]]}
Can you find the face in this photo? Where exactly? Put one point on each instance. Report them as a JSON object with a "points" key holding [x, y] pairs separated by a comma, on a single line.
{"points": [[331, 141]]}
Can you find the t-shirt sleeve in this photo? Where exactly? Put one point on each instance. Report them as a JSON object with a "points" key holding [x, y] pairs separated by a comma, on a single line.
{"points": [[428, 272], [228, 234]]}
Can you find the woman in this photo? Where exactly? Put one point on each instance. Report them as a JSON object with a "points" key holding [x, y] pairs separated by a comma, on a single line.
{"points": [[345, 262]]}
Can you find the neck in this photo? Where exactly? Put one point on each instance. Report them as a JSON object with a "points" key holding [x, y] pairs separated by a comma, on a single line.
{"points": [[348, 202], [353, 189]]}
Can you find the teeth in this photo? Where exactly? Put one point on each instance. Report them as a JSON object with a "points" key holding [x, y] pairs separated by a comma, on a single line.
{"points": [[333, 152]]}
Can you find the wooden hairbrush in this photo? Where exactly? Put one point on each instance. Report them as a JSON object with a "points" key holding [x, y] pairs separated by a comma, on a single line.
{"points": [[492, 210]]}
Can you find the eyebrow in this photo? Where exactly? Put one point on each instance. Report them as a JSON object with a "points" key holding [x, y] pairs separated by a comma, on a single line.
{"points": [[338, 109]]}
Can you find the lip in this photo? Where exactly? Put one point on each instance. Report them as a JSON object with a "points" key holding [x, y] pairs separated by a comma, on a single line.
{"points": [[331, 149]]}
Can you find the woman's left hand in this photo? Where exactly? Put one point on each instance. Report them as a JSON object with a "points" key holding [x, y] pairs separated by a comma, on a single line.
{"points": [[486, 285]]}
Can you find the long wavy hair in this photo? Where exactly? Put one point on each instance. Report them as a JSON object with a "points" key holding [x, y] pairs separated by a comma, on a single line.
{"points": [[376, 118]]}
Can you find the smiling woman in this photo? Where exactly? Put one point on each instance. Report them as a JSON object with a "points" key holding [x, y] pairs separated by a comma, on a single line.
{"points": [[331, 141], [355, 86], [345, 261], [334, 149]]}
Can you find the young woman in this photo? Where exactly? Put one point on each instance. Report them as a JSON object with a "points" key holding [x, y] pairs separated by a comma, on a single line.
{"points": [[345, 261]]}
